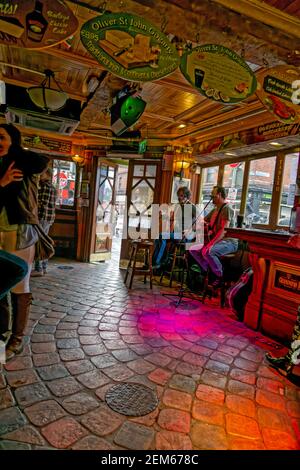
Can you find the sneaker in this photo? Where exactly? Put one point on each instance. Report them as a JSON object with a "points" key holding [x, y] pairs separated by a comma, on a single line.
{"points": [[36, 273]]}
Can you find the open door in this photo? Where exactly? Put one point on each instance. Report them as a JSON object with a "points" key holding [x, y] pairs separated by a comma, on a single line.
{"points": [[105, 211]]}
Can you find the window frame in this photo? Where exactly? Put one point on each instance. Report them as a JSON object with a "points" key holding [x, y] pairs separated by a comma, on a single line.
{"points": [[280, 156], [77, 181]]}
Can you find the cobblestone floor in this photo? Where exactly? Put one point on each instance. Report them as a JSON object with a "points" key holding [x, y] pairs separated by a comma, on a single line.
{"points": [[87, 333]]}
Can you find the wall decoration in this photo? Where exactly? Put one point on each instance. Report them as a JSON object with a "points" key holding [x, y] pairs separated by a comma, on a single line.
{"points": [[270, 131], [178, 183], [275, 91], [129, 47], [47, 144], [218, 73], [36, 24]]}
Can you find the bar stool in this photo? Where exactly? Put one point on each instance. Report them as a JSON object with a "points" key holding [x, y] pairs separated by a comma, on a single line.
{"points": [[146, 248], [176, 257], [209, 289]]}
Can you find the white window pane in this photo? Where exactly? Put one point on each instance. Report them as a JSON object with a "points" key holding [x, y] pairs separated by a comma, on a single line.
{"points": [[209, 180], [288, 188], [63, 178], [259, 196], [233, 182]]}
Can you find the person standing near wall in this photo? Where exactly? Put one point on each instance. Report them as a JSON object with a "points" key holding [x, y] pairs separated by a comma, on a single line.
{"points": [[19, 230], [46, 214]]}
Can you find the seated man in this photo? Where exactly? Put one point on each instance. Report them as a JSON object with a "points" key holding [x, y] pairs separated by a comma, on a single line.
{"points": [[208, 256], [181, 227]]}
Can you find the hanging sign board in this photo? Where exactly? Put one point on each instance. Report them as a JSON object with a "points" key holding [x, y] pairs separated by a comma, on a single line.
{"points": [[218, 73], [47, 144], [270, 131], [35, 24], [275, 90], [129, 47]]}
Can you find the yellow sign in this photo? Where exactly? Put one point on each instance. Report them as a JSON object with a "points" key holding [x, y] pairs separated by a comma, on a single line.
{"points": [[129, 47], [218, 73]]}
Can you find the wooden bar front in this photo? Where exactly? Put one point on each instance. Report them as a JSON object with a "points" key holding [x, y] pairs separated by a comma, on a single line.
{"points": [[272, 305]]}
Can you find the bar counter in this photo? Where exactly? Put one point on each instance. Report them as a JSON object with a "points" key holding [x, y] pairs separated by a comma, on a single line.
{"points": [[272, 305]]}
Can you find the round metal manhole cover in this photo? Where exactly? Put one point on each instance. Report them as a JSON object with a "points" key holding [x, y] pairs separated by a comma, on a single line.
{"points": [[131, 399]]}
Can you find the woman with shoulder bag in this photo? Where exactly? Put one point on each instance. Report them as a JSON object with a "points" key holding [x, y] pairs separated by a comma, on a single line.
{"points": [[19, 231]]}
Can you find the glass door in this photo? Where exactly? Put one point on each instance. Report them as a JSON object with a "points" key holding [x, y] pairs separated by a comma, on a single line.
{"points": [[142, 192], [105, 211]]}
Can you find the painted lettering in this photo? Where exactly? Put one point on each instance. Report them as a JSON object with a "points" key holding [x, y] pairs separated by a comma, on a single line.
{"points": [[8, 9]]}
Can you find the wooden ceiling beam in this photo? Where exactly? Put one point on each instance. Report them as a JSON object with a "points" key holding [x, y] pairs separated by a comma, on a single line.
{"points": [[267, 14]]}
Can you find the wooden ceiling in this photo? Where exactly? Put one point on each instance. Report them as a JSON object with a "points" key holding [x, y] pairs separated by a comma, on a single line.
{"points": [[171, 101]]}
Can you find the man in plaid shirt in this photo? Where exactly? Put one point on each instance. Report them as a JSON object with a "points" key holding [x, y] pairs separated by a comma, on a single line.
{"points": [[46, 212]]}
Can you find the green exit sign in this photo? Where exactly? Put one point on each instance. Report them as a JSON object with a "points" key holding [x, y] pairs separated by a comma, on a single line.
{"points": [[143, 146]]}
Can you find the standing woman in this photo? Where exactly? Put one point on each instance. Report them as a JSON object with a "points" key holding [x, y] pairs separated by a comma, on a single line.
{"points": [[19, 170]]}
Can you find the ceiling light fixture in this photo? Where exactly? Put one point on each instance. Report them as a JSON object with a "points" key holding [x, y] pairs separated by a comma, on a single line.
{"points": [[231, 154], [45, 97], [181, 126]]}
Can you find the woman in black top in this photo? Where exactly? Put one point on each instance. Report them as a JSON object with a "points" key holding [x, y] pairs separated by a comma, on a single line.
{"points": [[19, 171]]}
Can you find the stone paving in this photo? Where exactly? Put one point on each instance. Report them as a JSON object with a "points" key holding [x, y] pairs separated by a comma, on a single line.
{"points": [[87, 333]]}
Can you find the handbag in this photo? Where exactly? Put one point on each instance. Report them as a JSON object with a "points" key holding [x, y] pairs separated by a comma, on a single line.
{"points": [[44, 247]]}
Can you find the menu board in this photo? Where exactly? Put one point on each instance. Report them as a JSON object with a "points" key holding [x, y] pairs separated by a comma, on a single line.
{"points": [[277, 90], [49, 145], [129, 47], [35, 24], [218, 73]]}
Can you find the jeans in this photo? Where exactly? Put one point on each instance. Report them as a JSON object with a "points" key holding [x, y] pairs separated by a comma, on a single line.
{"points": [[212, 259], [12, 270]]}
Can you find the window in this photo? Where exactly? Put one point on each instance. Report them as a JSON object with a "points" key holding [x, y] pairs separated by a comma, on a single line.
{"points": [[288, 188], [259, 196], [233, 183], [209, 180], [260, 177], [64, 177]]}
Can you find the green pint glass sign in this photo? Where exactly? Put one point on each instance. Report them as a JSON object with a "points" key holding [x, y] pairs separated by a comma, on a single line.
{"points": [[129, 47], [218, 73]]}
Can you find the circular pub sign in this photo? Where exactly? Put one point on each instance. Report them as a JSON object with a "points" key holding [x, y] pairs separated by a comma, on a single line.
{"points": [[129, 47], [278, 90], [218, 73], [35, 24]]}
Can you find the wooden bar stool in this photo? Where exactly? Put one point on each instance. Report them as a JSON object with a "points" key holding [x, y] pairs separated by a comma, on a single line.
{"points": [[176, 256], [146, 248], [209, 289]]}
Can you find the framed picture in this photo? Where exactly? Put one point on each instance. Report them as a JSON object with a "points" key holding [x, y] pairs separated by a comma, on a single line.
{"points": [[178, 183]]}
